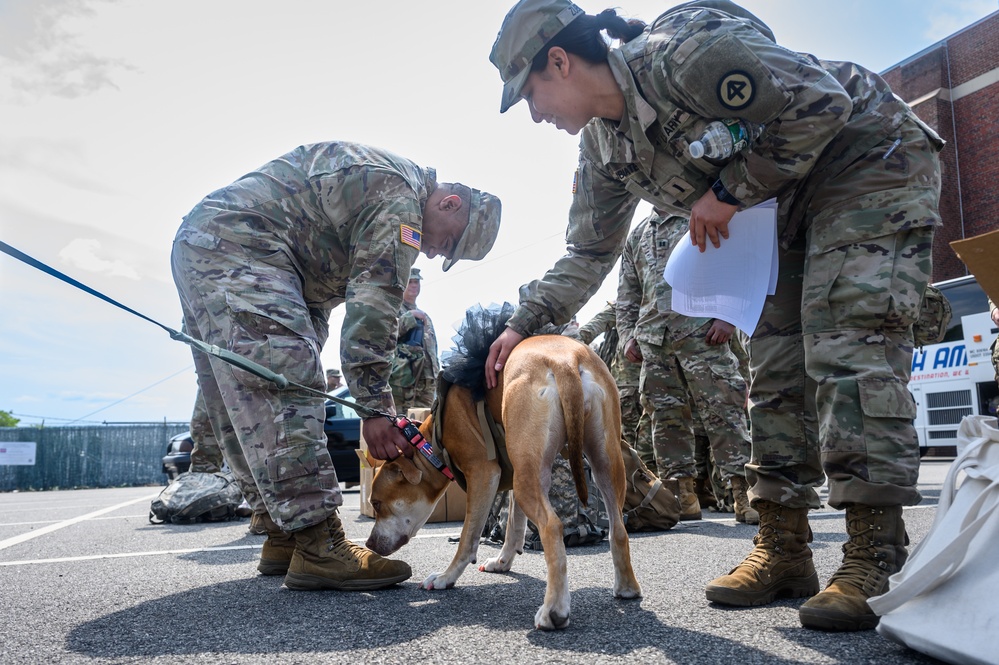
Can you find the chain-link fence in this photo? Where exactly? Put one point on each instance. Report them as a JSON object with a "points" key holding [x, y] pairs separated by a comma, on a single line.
{"points": [[119, 455]]}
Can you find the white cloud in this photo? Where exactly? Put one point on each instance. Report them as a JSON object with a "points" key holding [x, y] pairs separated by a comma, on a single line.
{"points": [[83, 254], [41, 53]]}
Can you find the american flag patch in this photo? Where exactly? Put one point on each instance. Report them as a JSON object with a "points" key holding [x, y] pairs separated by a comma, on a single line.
{"points": [[575, 180], [410, 236]]}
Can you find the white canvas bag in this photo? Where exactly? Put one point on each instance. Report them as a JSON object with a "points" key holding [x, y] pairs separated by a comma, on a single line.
{"points": [[945, 600]]}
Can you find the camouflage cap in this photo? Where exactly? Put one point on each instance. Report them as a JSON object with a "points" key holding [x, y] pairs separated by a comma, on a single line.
{"points": [[480, 233], [526, 29], [414, 273], [333, 372]]}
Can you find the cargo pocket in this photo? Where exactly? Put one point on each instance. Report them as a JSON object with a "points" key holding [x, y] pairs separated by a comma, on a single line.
{"points": [[278, 336], [886, 398], [290, 463]]}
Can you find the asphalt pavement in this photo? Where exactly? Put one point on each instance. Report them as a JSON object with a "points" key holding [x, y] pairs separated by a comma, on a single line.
{"points": [[85, 578]]}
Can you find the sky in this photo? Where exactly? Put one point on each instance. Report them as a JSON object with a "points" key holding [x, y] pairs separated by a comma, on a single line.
{"points": [[117, 117]]}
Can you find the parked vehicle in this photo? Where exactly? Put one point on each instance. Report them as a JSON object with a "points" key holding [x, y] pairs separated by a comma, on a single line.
{"points": [[343, 438], [178, 455], [954, 378]]}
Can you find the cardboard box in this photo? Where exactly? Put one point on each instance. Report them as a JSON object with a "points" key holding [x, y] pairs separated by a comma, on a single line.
{"points": [[981, 255], [450, 508]]}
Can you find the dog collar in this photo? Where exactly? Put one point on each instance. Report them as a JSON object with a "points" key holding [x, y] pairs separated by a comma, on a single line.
{"points": [[427, 451], [418, 441]]}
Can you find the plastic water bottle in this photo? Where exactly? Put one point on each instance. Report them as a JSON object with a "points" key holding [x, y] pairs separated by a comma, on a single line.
{"points": [[721, 139]]}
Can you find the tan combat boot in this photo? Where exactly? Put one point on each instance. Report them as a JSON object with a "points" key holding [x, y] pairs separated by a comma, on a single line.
{"points": [[705, 496], [690, 507], [325, 559], [779, 565], [743, 511], [257, 526], [277, 550], [875, 550]]}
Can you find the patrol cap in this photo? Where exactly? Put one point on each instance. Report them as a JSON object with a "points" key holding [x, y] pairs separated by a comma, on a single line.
{"points": [[414, 273], [526, 29], [480, 233], [333, 372]]}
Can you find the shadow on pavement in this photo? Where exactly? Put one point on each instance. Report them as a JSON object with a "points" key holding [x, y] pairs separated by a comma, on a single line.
{"points": [[257, 617]]}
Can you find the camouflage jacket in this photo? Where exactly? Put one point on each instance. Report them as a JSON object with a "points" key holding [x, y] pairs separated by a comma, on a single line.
{"points": [[415, 360], [350, 218], [644, 298], [691, 66], [625, 372]]}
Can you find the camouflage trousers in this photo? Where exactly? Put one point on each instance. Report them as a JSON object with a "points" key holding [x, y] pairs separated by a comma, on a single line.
{"points": [[418, 396], [687, 375], [206, 457], [831, 357], [636, 431], [707, 469], [250, 302]]}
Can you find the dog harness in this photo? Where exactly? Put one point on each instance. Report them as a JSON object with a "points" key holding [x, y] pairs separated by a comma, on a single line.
{"points": [[491, 435]]}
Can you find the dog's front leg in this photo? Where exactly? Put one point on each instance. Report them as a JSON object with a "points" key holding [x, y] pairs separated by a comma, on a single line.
{"points": [[481, 488]]}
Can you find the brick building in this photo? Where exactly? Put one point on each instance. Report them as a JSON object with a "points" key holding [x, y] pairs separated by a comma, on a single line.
{"points": [[954, 87]]}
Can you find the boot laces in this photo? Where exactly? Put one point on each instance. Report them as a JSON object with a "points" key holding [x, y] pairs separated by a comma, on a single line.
{"points": [[339, 546], [345, 550], [865, 564], [759, 558], [772, 524]]}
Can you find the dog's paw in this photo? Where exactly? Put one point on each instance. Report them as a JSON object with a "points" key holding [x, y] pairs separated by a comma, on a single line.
{"points": [[626, 586], [548, 619], [436, 582], [496, 565], [628, 593]]}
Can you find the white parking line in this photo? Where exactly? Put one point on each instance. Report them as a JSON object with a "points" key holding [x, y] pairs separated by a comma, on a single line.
{"points": [[17, 540], [122, 555]]}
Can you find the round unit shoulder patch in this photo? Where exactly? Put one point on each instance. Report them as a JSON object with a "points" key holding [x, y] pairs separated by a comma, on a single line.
{"points": [[736, 90]]}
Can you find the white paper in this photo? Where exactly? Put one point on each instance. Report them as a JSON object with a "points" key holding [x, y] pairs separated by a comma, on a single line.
{"points": [[729, 282]]}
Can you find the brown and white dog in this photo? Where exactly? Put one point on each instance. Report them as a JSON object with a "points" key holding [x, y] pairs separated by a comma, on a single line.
{"points": [[553, 391]]}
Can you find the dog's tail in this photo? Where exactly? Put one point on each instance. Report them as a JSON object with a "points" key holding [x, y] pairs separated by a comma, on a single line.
{"points": [[569, 382]]}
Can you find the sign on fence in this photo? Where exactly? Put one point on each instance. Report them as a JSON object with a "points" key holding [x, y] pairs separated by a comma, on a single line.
{"points": [[17, 453]]}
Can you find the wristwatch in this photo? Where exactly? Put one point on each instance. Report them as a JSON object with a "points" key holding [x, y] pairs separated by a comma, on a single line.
{"points": [[723, 195]]}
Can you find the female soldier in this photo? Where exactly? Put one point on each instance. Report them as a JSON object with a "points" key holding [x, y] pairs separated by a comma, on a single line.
{"points": [[857, 181]]}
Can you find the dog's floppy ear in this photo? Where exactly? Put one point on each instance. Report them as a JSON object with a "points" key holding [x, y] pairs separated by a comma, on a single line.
{"points": [[410, 471], [367, 460]]}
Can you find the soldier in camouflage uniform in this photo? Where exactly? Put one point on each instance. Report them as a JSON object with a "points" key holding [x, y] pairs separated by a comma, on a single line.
{"points": [[636, 431], [259, 266], [712, 492], [334, 379], [856, 176], [206, 456], [686, 365], [416, 364]]}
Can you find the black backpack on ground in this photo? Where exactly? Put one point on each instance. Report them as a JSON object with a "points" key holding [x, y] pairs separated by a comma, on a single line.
{"points": [[581, 525]]}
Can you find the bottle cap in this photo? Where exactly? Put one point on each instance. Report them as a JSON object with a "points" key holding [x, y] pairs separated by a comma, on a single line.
{"points": [[696, 149]]}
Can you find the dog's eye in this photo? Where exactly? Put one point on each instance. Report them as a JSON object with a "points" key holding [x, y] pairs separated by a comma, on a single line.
{"points": [[376, 505]]}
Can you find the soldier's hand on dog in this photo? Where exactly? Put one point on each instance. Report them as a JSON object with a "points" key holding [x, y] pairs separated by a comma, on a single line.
{"points": [[385, 441], [499, 351]]}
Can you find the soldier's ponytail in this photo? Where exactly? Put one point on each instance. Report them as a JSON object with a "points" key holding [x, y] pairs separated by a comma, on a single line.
{"points": [[619, 28], [583, 37]]}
